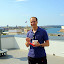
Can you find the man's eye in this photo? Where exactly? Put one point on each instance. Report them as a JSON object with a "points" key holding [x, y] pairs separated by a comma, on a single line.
{"points": [[33, 21]]}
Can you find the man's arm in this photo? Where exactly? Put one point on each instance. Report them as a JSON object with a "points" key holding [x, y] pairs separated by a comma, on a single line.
{"points": [[45, 44]]}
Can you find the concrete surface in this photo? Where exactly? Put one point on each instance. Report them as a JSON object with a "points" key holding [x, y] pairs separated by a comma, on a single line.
{"points": [[16, 56]]}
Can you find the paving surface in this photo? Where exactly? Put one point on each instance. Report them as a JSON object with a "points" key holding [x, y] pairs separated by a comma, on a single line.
{"points": [[17, 56]]}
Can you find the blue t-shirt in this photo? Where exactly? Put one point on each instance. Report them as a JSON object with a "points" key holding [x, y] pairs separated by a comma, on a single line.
{"points": [[41, 36]]}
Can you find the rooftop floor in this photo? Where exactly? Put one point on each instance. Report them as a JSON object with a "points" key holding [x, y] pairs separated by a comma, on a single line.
{"points": [[17, 56]]}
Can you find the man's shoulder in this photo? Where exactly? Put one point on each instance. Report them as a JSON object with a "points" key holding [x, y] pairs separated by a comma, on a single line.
{"points": [[41, 29]]}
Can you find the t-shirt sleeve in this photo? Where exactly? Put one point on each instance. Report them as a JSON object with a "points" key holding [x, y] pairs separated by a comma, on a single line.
{"points": [[45, 36], [27, 34]]}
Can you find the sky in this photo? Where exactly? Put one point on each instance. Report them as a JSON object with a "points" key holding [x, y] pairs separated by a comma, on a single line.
{"points": [[17, 12]]}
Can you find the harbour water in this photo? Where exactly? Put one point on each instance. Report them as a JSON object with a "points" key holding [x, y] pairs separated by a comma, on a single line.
{"points": [[54, 30]]}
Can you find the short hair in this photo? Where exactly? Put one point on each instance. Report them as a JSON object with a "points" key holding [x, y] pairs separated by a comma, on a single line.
{"points": [[35, 18]]}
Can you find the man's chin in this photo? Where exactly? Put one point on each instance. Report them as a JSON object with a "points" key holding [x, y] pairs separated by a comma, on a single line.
{"points": [[33, 26]]}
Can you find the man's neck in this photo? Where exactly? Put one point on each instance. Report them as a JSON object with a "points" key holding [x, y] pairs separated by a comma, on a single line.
{"points": [[35, 29]]}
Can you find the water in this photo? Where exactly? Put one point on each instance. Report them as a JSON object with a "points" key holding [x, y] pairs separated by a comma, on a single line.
{"points": [[54, 30]]}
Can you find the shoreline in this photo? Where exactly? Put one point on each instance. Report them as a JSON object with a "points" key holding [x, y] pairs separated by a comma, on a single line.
{"points": [[51, 34]]}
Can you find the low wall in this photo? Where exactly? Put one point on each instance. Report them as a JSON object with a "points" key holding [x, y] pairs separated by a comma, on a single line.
{"points": [[20, 43], [7, 42], [56, 46], [13, 42]]}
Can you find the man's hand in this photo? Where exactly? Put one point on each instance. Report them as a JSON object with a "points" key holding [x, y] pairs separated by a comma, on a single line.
{"points": [[27, 42], [37, 44], [43, 44], [27, 39]]}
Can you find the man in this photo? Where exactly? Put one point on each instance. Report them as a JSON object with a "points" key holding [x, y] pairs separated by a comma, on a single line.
{"points": [[37, 54]]}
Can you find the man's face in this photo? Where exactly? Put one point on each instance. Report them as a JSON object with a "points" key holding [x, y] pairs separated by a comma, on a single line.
{"points": [[33, 22]]}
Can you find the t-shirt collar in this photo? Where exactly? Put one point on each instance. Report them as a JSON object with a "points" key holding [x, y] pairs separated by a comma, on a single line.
{"points": [[36, 31]]}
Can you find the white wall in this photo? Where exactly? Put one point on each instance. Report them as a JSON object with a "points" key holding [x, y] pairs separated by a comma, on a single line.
{"points": [[20, 43], [7, 42], [13, 42], [56, 46]]}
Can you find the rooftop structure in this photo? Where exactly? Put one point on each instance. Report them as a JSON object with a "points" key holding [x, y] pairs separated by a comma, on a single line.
{"points": [[18, 42], [2, 51], [17, 51]]}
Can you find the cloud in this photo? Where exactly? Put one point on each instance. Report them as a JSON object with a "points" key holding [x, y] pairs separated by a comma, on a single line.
{"points": [[21, 0], [61, 14]]}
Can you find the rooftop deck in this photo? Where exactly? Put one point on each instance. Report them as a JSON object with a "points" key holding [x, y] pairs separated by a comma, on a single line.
{"points": [[19, 56]]}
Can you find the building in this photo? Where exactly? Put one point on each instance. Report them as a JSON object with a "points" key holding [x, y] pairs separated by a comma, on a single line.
{"points": [[14, 31], [62, 29], [26, 30]]}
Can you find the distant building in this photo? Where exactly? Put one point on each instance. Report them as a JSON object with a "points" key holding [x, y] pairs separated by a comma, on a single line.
{"points": [[62, 29], [26, 30], [14, 31]]}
